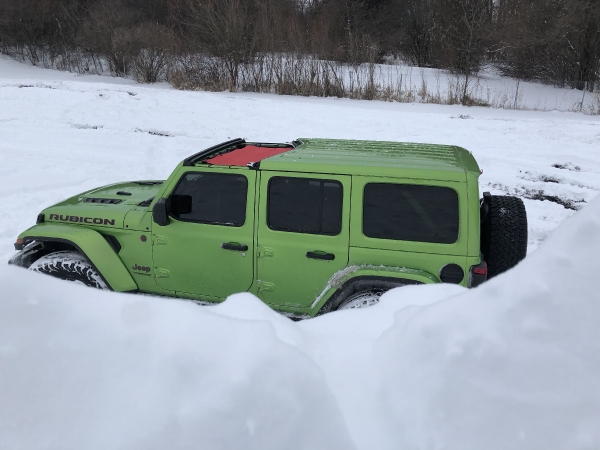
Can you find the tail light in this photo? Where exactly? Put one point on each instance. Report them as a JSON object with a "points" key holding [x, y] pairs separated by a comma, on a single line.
{"points": [[478, 274]]}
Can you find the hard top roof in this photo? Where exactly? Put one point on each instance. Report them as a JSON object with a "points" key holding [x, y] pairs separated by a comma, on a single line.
{"points": [[345, 157], [375, 158]]}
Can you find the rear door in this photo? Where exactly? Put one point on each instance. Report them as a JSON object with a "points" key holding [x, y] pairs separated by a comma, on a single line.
{"points": [[208, 252], [416, 224], [303, 235]]}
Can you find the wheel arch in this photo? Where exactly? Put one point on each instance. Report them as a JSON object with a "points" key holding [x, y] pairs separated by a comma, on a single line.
{"points": [[91, 244], [362, 278]]}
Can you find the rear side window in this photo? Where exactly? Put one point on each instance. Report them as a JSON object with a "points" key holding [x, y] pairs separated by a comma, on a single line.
{"points": [[409, 212], [304, 205], [216, 198]]}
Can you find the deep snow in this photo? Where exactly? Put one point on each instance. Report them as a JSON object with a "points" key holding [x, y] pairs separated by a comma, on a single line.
{"points": [[511, 364]]}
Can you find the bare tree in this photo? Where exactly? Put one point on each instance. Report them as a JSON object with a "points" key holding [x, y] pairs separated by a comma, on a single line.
{"points": [[556, 41], [416, 22], [584, 42], [464, 32], [149, 46], [106, 31], [225, 28]]}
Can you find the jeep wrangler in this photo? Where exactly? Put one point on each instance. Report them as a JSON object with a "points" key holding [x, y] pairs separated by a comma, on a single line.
{"points": [[311, 226]]}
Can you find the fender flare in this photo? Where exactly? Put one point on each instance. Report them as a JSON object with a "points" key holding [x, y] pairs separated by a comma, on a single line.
{"points": [[354, 279], [93, 246]]}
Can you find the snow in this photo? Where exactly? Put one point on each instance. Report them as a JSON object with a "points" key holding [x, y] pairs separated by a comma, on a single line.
{"points": [[513, 363], [515, 360], [492, 88], [67, 134], [510, 364], [87, 369]]}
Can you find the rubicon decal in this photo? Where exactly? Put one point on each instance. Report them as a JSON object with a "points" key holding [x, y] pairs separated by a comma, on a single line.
{"points": [[78, 219]]}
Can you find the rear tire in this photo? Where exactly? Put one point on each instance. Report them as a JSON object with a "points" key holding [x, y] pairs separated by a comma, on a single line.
{"points": [[361, 300], [503, 234], [70, 266]]}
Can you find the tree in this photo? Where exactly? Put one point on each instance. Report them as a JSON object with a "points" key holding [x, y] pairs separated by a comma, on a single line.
{"points": [[417, 27], [555, 41], [225, 28], [463, 27]]}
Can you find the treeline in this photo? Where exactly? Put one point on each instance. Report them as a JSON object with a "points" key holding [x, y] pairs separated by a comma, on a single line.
{"points": [[553, 41]]}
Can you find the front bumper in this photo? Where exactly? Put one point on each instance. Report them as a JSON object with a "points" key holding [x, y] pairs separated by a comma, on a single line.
{"points": [[29, 253]]}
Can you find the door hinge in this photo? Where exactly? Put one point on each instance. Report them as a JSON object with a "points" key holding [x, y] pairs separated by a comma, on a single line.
{"points": [[159, 240], [161, 273], [265, 286], [265, 251]]}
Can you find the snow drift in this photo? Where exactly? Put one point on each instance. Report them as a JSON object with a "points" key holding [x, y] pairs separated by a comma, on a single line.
{"points": [[511, 364], [82, 369]]}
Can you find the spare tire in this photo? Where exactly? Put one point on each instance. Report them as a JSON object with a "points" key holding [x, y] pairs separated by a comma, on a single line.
{"points": [[503, 232]]}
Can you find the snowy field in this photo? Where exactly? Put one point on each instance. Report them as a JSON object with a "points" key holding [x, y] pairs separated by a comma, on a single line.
{"points": [[62, 134], [489, 87], [511, 365]]}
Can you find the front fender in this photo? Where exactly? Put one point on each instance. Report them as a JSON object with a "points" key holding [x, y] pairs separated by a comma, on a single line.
{"points": [[355, 278], [92, 245]]}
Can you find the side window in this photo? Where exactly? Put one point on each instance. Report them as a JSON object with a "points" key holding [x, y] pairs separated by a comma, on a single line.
{"points": [[216, 198], [410, 213], [305, 205]]}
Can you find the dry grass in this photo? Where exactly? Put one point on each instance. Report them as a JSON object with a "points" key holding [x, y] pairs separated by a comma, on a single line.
{"points": [[305, 75]]}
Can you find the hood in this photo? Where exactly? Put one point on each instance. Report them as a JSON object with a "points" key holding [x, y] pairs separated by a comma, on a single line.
{"points": [[105, 206]]}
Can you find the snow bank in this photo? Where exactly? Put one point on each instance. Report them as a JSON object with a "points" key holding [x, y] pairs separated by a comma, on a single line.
{"points": [[84, 369], [513, 364]]}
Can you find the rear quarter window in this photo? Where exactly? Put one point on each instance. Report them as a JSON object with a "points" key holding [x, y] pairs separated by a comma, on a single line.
{"points": [[407, 212]]}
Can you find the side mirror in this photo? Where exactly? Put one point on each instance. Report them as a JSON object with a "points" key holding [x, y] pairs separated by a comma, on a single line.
{"points": [[159, 212], [181, 204]]}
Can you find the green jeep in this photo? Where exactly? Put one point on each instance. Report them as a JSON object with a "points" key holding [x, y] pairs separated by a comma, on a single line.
{"points": [[309, 227]]}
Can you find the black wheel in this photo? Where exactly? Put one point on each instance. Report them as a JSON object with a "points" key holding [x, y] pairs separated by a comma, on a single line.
{"points": [[361, 300], [503, 232], [71, 266]]}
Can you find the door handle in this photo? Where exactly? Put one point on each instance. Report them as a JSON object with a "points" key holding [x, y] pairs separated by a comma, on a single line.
{"points": [[317, 254], [235, 246]]}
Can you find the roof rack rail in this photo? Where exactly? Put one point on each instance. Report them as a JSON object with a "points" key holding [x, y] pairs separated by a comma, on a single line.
{"points": [[214, 151], [272, 144]]}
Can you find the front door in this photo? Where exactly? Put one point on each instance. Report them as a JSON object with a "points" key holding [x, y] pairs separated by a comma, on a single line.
{"points": [[302, 236], [208, 251]]}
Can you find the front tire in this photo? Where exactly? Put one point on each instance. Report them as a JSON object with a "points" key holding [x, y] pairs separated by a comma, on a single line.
{"points": [[70, 266]]}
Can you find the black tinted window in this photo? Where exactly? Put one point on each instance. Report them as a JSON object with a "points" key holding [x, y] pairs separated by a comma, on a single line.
{"points": [[217, 198], [410, 213], [305, 205]]}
